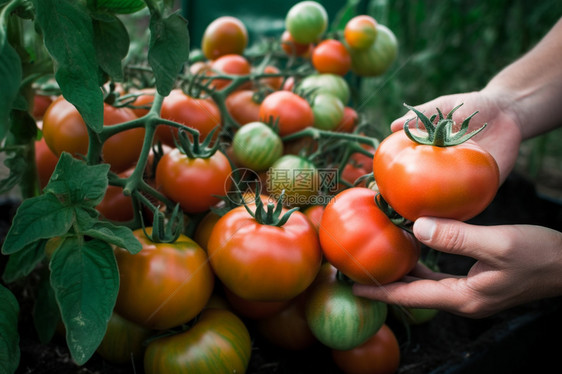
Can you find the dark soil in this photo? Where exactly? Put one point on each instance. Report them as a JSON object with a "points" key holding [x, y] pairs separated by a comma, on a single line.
{"points": [[515, 341]]}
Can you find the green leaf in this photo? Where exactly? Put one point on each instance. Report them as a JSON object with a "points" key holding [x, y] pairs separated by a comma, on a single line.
{"points": [[9, 337], [168, 49], [46, 315], [85, 279], [69, 37], [75, 182], [15, 162], [119, 236], [40, 217], [112, 45], [23, 262], [10, 76]]}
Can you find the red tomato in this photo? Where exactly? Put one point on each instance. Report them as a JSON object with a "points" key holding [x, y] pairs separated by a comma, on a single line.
{"points": [[201, 114], [274, 83], [253, 309], [40, 105], [292, 112], [263, 262], [45, 160], [243, 107], [165, 284], [361, 241], [225, 35], [218, 343], [204, 228], [231, 64], [65, 131], [360, 32], [349, 120], [314, 215], [419, 180], [378, 355], [331, 56], [115, 205], [194, 183], [143, 102], [293, 48]]}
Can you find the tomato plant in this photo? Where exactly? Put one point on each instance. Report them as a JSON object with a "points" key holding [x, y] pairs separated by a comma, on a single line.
{"points": [[378, 58], [289, 111], [225, 35], [229, 64], [306, 21], [257, 146], [264, 256], [65, 131], [332, 57], [362, 242], [360, 32], [218, 342], [165, 284], [115, 205], [439, 175], [243, 106], [338, 318], [121, 6], [326, 84], [380, 354]]}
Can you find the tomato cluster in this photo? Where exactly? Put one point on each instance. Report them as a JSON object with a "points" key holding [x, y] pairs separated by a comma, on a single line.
{"points": [[259, 192]]}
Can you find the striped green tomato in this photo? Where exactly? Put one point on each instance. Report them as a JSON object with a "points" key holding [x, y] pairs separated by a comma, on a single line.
{"points": [[328, 111], [338, 318], [257, 146], [326, 83], [219, 342]]}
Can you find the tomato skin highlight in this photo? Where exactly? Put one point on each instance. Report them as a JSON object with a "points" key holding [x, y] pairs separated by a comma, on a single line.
{"points": [[361, 241], [331, 56], [416, 180], [218, 343], [165, 284], [264, 262]]}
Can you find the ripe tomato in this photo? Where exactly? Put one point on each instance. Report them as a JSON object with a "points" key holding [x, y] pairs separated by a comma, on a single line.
{"points": [[314, 215], [332, 57], [295, 175], [306, 21], [40, 105], [273, 83], [376, 59], [65, 131], [45, 160], [292, 48], [218, 343], [418, 180], [257, 146], [360, 32], [243, 107], [378, 355], [143, 102], [123, 341], [338, 318], [225, 35], [230, 64], [165, 284], [328, 84], [349, 120], [328, 111], [292, 112], [252, 309], [201, 114], [194, 183], [115, 205], [361, 241], [204, 228], [288, 328], [263, 262]]}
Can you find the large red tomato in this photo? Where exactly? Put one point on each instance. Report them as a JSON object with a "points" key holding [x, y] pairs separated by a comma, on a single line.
{"points": [[165, 284], [194, 183], [418, 180], [362, 242], [260, 261], [201, 114], [65, 131], [292, 112]]}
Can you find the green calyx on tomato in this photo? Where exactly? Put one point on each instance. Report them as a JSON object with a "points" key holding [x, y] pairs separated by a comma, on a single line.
{"points": [[196, 149], [162, 232], [440, 134], [272, 215]]}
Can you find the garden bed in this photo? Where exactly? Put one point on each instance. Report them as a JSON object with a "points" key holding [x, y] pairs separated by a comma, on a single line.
{"points": [[514, 341]]}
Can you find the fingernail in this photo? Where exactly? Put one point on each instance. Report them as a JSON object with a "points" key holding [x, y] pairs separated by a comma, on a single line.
{"points": [[424, 228]]}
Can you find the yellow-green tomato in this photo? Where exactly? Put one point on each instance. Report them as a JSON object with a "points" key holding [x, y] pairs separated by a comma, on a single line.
{"points": [[378, 58], [328, 111], [306, 21]]}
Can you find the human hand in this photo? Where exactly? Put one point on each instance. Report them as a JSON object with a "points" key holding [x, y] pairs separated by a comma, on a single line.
{"points": [[511, 269], [502, 135]]}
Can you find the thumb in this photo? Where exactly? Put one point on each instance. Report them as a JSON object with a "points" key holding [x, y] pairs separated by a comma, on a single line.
{"points": [[455, 237]]}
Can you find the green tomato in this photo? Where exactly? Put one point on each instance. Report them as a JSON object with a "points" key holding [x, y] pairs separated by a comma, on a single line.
{"points": [[257, 146], [326, 84], [121, 6], [295, 175], [376, 59], [328, 111], [306, 21], [339, 319]]}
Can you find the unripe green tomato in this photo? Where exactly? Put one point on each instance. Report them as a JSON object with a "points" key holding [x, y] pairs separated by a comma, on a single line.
{"points": [[376, 59], [327, 83], [257, 146], [328, 111], [306, 21]]}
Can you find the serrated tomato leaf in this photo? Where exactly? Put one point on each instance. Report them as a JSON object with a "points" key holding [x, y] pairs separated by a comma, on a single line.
{"points": [[119, 236], [23, 262], [10, 76], [112, 44], [46, 315], [9, 336]]}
